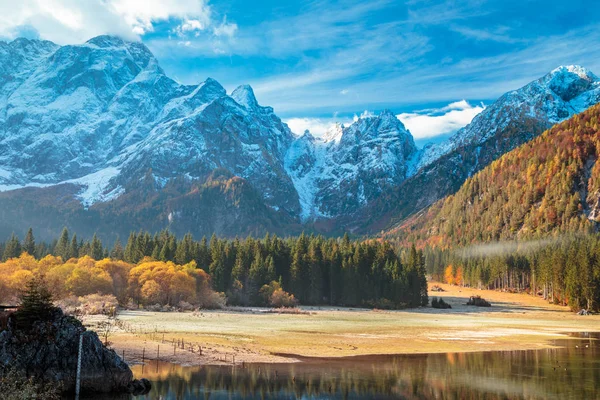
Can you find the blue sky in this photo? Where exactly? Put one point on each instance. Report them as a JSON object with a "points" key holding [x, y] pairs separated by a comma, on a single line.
{"points": [[432, 62]]}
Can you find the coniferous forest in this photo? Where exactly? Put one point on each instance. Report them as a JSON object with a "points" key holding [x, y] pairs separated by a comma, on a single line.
{"points": [[162, 269], [564, 270]]}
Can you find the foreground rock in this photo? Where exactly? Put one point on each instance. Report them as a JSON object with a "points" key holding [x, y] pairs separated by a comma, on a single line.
{"points": [[47, 351]]}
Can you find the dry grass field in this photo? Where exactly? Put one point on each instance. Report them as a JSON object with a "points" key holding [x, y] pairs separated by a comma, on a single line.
{"points": [[514, 322]]}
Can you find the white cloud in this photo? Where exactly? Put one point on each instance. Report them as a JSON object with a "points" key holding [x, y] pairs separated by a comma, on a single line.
{"points": [[457, 105], [74, 21], [431, 123]]}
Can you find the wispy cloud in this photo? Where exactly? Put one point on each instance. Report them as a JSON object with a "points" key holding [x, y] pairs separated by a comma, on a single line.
{"points": [[499, 34], [225, 29], [504, 248]]}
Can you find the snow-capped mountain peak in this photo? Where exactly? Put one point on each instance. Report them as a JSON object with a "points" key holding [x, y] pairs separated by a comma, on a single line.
{"points": [[334, 134], [106, 109], [570, 81], [106, 41], [244, 95], [555, 97], [208, 91], [349, 166]]}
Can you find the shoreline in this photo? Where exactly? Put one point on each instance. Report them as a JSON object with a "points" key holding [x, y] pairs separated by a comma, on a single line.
{"points": [[249, 336], [291, 358]]}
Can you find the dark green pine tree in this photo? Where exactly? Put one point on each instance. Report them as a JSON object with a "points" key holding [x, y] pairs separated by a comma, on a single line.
{"points": [[183, 254], [203, 257], [156, 252], [167, 253], [117, 252], [35, 304], [130, 249], [62, 248], [29, 243], [74, 248], [97, 251], [299, 269], [12, 248], [85, 249], [422, 271]]}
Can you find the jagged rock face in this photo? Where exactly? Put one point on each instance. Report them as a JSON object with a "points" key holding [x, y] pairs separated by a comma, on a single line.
{"points": [[49, 352], [350, 166], [103, 113], [56, 116]]}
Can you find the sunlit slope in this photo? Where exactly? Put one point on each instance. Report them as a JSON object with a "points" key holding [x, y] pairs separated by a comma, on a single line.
{"points": [[549, 185]]}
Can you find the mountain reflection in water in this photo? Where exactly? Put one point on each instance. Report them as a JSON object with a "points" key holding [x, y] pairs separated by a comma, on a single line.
{"points": [[569, 372]]}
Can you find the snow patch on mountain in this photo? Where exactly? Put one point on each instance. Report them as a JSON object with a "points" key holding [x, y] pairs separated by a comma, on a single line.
{"points": [[95, 186]]}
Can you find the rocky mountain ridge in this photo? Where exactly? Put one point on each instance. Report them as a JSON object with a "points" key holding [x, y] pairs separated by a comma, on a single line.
{"points": [[97, 132]]}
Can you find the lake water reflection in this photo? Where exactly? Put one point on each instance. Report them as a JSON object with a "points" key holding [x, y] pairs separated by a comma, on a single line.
{"points": [[569, 372]]}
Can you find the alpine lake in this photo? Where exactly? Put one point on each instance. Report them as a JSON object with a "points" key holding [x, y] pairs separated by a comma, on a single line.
{"points": [[570, 370]]}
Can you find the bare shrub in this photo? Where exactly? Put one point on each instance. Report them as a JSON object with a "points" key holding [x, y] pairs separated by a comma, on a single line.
{"points": [[105, 330], [281, 298], [213, 301], [92, 304], [478, 301], [185, 306], [439, 303], [154, 307]]}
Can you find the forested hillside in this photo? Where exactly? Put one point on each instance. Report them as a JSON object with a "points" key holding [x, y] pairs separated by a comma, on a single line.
{"points": [[219, 203], [162, 269], [528, 222], [548, 186]]}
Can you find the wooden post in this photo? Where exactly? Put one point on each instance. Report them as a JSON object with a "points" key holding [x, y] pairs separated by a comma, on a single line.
{"points": [[158, 352], [123, 355], [143, 354], [79, 355]]}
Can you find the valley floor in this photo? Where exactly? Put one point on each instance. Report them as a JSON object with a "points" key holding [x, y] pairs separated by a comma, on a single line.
{"points": [[514, 322]]}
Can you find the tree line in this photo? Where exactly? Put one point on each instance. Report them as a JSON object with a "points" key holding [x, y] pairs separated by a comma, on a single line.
{"points": [[313, 269], [564, 269]]}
